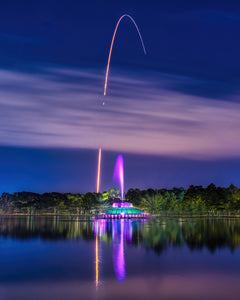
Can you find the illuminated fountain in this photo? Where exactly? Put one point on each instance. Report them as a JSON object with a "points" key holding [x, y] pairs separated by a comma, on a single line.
{"points": [[118, 174], [121, 209]]}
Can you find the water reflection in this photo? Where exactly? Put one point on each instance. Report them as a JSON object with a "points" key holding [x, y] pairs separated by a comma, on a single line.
{"points": [[118, 250], [86, 255], [96, 262], [154, 234], [121, 231]]}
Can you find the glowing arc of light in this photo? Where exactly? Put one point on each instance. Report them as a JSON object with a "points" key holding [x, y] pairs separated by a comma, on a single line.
{"points": [[111, 47], [99, 168]]}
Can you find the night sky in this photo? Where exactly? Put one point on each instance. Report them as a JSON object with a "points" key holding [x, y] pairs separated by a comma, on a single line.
{"points": [[173, 113]]}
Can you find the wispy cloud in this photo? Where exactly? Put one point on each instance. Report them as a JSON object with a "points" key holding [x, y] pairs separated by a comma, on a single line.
{"points": [[147, 113]]}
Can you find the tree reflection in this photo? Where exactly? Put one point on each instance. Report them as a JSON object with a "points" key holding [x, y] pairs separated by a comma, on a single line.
{"points": [[155, 234]]}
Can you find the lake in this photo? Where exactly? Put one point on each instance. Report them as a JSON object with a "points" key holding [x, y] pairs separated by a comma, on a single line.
{"points": [[64, 257]]}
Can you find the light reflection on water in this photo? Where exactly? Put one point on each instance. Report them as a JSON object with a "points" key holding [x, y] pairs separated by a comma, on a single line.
{"points": [[121, 232], [81, 258], [118, 252]]}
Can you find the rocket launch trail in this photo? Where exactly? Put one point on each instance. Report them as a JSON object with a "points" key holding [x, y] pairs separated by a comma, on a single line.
{"points": [[106, 80], [99, 169], [111, 47]]}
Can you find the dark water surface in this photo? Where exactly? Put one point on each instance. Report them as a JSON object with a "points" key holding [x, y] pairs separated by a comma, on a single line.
{"points": [[82, 258]]}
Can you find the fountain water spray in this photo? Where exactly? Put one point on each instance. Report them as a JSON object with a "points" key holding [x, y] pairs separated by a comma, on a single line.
{"points": [[120, 209], [118, 174], [106, 79]]}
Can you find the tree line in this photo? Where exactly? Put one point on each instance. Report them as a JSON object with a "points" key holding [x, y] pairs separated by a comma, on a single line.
{"points": [[28, 202], [194, 200]]}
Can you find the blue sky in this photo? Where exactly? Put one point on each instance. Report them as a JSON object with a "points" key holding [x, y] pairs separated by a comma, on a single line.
{"points": [[177, 106]]}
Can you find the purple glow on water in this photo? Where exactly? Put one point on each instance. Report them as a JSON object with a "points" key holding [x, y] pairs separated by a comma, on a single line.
{"points": [[118, 174], [118, 251]]}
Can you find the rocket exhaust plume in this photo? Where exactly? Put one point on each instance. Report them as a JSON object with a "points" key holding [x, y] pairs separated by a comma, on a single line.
{"points": [[110, 51], [106, 80], [99, 169]]}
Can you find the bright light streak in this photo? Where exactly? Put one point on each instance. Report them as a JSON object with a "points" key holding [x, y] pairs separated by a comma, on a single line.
{"points": [[105, 87], [97, 260], [110, 51], [99, 169]]}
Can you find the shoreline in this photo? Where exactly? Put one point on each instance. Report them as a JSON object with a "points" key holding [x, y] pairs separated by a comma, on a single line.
{"points": [[99, 216]]}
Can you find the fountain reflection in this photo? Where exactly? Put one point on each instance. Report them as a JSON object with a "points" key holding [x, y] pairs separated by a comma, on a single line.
{"points": [[121, 232], [118, 251], [154, 234], [77, 256]]}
